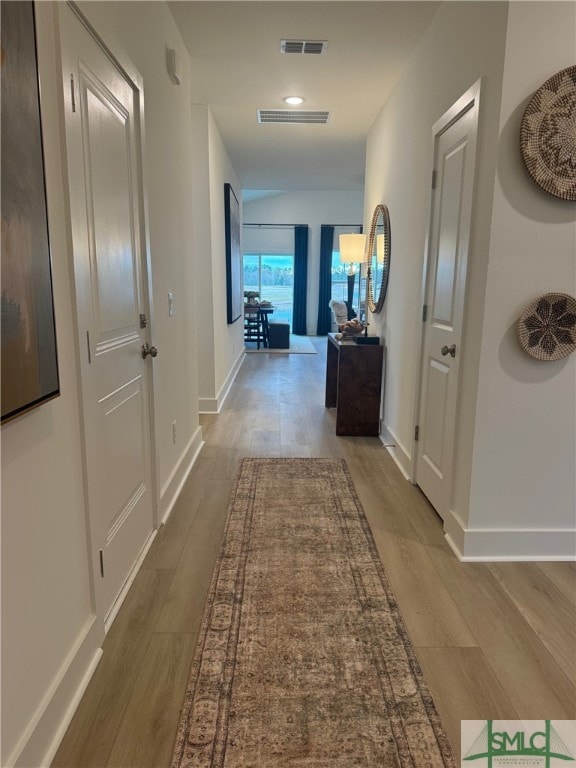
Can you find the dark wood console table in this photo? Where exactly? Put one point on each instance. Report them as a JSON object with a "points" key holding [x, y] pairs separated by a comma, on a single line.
{"points": [[354, 385]]}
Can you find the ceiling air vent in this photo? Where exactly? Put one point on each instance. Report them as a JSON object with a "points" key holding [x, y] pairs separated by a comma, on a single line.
{"points": [[303, 46], [292, 117]]}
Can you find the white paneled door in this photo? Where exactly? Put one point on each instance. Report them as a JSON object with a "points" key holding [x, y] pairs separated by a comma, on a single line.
{"points": [[102, 113], [454, 161]]}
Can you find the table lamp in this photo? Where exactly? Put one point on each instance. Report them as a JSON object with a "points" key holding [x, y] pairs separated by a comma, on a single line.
{"points": [[352, 251]]}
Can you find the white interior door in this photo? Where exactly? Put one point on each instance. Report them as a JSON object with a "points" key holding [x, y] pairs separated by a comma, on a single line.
{"points": [[454, 161], [103, 155]]}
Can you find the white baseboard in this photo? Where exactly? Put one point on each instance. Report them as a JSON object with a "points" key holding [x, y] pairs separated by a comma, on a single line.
{"points": [[168, 498], [170, 493], [386, 437], [506, 545], [397, 451], [214, 404], [171, 490], [109, 620], [42, 737], [208, 405]]}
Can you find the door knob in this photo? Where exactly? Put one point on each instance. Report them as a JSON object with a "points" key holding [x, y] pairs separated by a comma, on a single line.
{"points": [[449, 350], [146, 350]]}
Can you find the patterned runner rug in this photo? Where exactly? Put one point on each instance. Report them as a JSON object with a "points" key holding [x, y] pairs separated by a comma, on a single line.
{"points": [[303, 658]]}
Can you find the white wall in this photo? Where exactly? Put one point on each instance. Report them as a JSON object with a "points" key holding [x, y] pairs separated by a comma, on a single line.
{"points": [[202, 250], [49, 634], [514, 493], [464, 42], [524, 474], [220, 346], [228, 339], [314, 209], [46, 602]]}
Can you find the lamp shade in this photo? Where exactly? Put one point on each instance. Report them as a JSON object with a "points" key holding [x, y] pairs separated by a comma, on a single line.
{"points": [[352, 248], [380, 243]]}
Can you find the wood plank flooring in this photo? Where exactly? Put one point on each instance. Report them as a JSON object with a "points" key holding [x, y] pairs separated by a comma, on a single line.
{"points": [[494, 640]]}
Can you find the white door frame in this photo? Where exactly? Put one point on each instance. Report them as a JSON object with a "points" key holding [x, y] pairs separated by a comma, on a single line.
{"points": [[123, 63], [470, 100]]}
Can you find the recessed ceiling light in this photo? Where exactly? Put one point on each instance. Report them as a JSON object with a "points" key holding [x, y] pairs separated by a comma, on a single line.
{"points": [[293, 100]]}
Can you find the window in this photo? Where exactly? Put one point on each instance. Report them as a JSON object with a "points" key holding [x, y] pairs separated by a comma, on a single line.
{"points": [[340, 273], [272, 275]]}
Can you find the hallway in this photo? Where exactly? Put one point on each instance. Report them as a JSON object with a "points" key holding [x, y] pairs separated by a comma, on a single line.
{"points": [[494, 640]]}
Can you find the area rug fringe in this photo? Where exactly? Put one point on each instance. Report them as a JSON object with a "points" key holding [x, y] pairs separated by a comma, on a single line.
{"points": [[303, 658]]}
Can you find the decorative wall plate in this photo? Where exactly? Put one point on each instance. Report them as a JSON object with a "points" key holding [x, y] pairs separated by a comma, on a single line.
{"points": [[547, 327], [548, 135]]}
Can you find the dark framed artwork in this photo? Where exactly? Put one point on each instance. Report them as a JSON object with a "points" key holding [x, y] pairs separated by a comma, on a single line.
{"points": [[233, 256], [29, 355]]}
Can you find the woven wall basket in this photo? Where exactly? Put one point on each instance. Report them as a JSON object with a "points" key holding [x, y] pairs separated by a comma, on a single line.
{"points": [[547, 327], [548, 135]]}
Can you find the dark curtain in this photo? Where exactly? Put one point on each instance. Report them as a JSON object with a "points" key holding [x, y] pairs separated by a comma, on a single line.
{"points": [[300, 279], [325, 290]]}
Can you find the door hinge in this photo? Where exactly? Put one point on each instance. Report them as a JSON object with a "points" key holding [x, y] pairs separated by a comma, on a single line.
{"points": [[143, 321], [416, 433], [72, 93], [88, 345], [424, 312], [102, 563], [434, 178]]}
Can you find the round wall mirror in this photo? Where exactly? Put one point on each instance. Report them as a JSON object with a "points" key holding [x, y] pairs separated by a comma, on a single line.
{"points": [[379, 251]]}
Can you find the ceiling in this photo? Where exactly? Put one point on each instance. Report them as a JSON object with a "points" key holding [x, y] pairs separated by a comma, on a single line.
{"points": [[238, 68]]}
